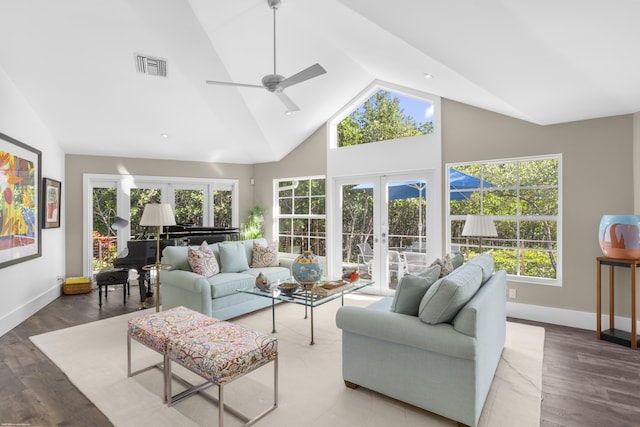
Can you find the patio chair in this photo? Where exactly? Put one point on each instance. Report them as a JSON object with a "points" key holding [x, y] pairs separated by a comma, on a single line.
{"points": [[416, 261], [397, 265], [365, 256]]}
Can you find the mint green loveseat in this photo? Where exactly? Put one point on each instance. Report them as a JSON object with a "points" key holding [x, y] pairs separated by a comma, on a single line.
{"points": [[446, 367], [217, 295]]}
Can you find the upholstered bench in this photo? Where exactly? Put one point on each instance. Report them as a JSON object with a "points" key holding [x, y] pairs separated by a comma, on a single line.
{"points": [[220, 353], [155, 330]]}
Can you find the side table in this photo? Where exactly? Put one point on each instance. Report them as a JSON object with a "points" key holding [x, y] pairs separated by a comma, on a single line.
{"points": [[615, 335]]}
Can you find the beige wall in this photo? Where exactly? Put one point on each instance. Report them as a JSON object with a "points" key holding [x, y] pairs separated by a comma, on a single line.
{"points": [[636, 161], [595, 153], [308, 159], [592, 151], [597, 162], [76, 166]]}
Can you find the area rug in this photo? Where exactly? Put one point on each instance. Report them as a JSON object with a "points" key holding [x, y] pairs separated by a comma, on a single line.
{"points": [[311, 390]]}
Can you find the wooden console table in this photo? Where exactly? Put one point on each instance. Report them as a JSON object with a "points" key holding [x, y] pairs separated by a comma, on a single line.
{"points": [[615, 335]]}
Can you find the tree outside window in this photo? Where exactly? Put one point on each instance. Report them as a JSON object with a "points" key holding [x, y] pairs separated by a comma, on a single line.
{"points": [[301, 215], [524, 201], [386, 116]]}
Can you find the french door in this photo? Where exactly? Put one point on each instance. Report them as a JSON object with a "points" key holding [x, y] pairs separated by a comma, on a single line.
{"points": [[378, 218]]}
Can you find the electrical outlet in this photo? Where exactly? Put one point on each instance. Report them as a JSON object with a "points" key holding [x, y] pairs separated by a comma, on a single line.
{"points": [[512, 293], [60, 278]]}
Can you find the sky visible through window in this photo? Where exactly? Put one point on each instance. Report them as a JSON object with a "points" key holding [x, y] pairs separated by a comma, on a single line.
{"points": [[420, 110], [386, 116]]}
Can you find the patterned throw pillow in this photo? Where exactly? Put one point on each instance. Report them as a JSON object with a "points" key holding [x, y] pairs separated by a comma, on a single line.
{"points": [[446, 265], [265, 256], [203, 261]]}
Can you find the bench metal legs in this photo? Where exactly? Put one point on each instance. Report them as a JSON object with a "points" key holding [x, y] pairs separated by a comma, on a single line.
{"points": [[220, 400]]}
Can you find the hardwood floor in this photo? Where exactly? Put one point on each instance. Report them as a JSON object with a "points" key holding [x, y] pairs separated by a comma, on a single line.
{"points": [[585, 382]]}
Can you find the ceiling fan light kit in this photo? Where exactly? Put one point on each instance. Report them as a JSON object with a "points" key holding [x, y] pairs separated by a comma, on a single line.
{"points": [[276, 83]]}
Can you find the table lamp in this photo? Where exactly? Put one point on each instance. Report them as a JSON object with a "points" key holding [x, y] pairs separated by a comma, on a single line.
{"points": [[479, 226], [159, 215]]}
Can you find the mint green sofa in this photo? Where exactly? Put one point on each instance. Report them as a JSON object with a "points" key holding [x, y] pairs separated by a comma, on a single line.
{"points": [[444, 367], [216, 296]]}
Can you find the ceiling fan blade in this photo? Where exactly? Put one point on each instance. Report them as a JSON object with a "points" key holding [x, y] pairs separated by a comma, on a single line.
{"points": [[308, 73], [291, 106], [214, 82]]}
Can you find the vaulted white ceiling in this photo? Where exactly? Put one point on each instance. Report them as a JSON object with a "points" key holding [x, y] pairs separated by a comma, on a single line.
{"points": [[544, 61]]}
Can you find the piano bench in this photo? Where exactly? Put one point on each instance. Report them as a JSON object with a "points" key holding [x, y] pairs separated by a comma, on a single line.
{"points": [[118, 276]]}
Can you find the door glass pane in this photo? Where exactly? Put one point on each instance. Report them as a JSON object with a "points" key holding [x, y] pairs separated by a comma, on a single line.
{"points": [[104, 237], [357, 229], [406, 219], [222, 208], [140, 197], [407, 214], [188, 207]]}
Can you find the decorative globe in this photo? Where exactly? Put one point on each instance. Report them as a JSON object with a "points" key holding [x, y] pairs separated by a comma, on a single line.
{"points": [[619, 236], [307, 268]]}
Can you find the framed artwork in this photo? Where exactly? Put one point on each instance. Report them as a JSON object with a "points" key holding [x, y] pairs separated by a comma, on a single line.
{"points": [[51, 203], [20, 232]]}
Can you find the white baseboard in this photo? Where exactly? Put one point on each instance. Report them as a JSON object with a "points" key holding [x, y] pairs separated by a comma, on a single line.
{"points": [[20, 314], [564, 317]]}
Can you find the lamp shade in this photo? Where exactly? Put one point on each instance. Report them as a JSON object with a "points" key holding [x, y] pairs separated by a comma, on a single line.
{"points": [[158, 214], [479, 226]]}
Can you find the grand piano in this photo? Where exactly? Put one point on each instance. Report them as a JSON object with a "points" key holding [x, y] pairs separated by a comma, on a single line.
{"points": [[143, 251]]}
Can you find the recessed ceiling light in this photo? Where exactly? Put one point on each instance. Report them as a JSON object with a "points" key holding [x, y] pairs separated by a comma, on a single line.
{"points": [[164, 135], [288, 113], [427, 76]]}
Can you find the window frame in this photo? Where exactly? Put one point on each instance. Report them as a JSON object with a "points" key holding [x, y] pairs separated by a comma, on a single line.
{"points": [[277, 215], [557, 281], [167, 184]]}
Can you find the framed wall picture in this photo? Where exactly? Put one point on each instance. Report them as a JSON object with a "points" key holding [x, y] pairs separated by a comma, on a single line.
{"points": [[52, 191], [20, 231]]}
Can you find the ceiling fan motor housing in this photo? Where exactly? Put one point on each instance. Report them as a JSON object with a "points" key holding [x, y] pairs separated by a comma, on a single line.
{"points": [[272, 82]]}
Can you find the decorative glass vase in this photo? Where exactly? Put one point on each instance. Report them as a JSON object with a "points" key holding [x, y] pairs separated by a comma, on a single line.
{"points": [[307, 269], [619, 236]]}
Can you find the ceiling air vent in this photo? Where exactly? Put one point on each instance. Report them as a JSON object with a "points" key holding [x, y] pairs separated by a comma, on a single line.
{"points": [[149, 65]]}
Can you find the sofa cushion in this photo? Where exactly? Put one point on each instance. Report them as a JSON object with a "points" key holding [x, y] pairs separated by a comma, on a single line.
{"points": [[233, 257], [176, 257], [486, 263], [411, 290], [447, 296], [202, 260], [224, 284], [273, 274], [264, 256]]}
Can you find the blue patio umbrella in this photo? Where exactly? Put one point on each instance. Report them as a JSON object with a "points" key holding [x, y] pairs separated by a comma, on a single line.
{"points": [[461, 185]]}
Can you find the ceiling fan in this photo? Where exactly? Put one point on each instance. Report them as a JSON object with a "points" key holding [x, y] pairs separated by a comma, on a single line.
{"points": [[276, 83]]}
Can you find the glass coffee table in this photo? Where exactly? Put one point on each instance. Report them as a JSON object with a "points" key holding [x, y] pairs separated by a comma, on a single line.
{"points": [[309, 296]]}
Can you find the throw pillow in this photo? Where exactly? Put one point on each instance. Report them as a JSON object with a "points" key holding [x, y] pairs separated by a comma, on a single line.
{"points": [[457, 259], [447, 296], [411, 290], [233, 257], [202, 260], [264, 256], [446, 266]]}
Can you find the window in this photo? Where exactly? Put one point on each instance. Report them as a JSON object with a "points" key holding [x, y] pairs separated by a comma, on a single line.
{"points": [[523, 197], [300, 215], [385, 116], [195, 201]]}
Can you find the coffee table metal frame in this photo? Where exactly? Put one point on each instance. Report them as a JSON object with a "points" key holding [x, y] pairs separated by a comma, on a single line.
{"points": [[303, 296]]}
